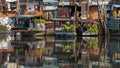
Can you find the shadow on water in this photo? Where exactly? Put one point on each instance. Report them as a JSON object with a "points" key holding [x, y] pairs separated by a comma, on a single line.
{"points": [[59, 52]]}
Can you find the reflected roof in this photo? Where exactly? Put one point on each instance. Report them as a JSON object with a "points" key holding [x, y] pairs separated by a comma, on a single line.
{"points": [[26, 16]]}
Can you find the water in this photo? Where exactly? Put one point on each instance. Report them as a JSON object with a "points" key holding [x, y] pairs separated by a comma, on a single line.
{"points": [[59, 52]]}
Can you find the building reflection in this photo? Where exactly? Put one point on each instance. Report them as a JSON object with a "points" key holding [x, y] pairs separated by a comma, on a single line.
{"points": [[57, 52], [113, 50]]}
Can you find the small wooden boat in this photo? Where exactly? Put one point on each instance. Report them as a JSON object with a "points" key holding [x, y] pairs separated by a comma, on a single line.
{"points": [[32, 25], [87, 28], [64, 27]]}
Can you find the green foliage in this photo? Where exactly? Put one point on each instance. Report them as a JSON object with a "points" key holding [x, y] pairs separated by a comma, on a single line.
{"points": [[93, 43], [68, 28], [41, 49], [93, 28], [67, 47], [40, 20]]}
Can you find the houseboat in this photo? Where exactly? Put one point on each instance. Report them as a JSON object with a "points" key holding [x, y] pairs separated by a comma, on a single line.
{"points": [[32, 25]]}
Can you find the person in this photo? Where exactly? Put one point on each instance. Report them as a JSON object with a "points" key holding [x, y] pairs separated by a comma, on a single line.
{"points": [[31, 46], [114, 13], [31, 24]]}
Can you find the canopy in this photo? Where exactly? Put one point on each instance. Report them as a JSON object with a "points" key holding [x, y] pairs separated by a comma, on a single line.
{"points": [[116, 6]]}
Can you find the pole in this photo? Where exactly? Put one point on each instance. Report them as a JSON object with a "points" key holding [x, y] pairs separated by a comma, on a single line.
{"points": [[18, 6], [27, 6], [103, 24], [87, 9], [75, 17], [99, 17], [34, 7]]}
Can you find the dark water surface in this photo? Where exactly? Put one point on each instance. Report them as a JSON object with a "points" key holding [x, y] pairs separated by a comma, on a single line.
{"points": [[59, 52]]}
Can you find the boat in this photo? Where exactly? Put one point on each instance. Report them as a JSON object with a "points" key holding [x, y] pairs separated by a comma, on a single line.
{"points": [[68, 30], [87, 28], [32, 25]]}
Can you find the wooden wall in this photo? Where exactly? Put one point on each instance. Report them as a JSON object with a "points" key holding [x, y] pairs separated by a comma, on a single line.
{"points": [[93, 12]]}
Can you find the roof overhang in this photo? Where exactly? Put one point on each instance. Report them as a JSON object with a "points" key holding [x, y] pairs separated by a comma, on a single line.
{"points": [[26, 16]]}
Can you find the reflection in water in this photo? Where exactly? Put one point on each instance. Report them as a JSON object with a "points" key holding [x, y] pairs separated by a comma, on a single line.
{"points": [[59, 52], [5, 41]]}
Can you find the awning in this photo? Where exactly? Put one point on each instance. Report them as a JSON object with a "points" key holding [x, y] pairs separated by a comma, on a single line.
{"points": [[115, 6]]}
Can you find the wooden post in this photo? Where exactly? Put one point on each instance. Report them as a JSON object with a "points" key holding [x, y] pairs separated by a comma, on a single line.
{"points": [[88, 9], [27, 6], [34, 7], [75, 17], [104, 31], [18, 7]]}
